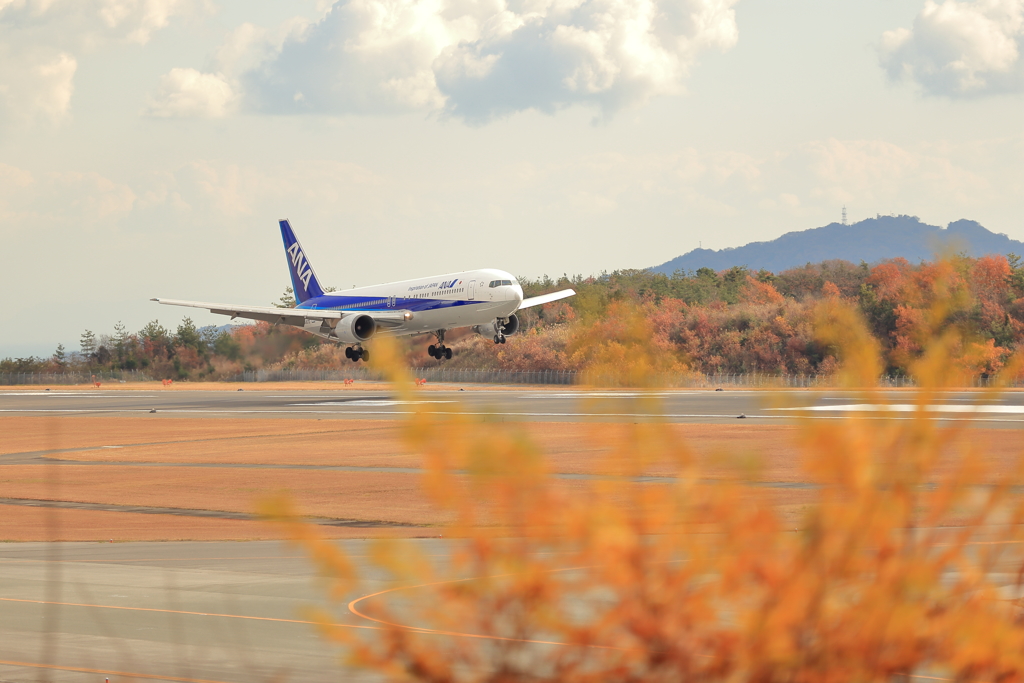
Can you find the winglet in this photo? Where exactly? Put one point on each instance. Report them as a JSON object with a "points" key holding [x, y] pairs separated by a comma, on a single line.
{"points": [[304, 282]]}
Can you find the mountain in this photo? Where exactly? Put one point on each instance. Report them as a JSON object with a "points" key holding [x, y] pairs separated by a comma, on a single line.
{"points": [[869, 240]]}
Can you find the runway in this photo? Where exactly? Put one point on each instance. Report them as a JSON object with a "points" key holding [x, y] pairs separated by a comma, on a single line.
{"points": [[561, 405], [209, 612], [170, 611], [189, 612]]}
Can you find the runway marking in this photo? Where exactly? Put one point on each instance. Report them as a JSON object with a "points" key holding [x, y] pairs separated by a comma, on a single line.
{"points": [[911, 408], [621, 394], [107, 672], [367, 402], [428, 631], [457, 634], [193, 512], [166, 559], [186, 613], [74, 394]]}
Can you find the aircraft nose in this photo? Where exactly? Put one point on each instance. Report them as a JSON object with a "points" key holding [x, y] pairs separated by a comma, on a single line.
{"points": [[515, 293]]}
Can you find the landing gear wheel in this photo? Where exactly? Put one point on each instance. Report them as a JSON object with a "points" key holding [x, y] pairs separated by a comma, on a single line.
{"points": [[354, 357], [364, 355], [497, 340], [348, 352], [448, 354], [502, 339], [439, 351]]}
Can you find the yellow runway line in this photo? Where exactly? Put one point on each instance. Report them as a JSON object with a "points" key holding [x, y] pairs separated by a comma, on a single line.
{"points": [[104, 672], [195, 614]]}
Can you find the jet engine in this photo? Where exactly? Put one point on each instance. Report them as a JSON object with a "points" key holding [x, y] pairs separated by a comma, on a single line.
{"points": [[496, 329], [355, 329]]}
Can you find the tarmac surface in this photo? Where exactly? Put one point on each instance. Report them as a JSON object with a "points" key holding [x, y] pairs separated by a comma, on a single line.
{"points": [[170, 611], [554, 405], [201, 612]]}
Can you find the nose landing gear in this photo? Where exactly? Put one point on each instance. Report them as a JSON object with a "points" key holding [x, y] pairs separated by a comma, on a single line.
{"points": [[499, 339], [357, 353], [440, 352]]}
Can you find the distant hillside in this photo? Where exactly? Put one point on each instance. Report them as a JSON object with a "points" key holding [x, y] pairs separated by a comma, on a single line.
{"points": [[869, 240]]}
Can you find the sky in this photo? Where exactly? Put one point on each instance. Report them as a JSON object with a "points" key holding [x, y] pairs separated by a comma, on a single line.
{"points": [[148, 147]]}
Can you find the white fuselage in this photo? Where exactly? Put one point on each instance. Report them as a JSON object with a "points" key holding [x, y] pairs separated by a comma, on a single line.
{"points": [[440, 302]]}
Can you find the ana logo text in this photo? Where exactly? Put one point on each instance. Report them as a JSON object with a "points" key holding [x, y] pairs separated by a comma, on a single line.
{"points": [[300, 264]]}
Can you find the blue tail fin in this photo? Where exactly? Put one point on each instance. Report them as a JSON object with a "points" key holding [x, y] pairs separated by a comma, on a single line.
{"points": [[304, 282]]}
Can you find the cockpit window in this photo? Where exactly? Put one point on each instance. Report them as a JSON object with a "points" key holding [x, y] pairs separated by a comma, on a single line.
{"points": [[499, 283]]}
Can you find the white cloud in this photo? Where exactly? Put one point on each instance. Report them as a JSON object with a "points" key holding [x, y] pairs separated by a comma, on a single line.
{"points": [[43, 38], [960, 49], [187, 92], [138, 19], [86, 198], [879, 173], [476, 59], [35, 84]]}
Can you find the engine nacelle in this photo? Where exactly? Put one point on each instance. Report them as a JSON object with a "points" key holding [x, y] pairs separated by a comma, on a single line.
{"points": [[511, 327], [494, 329], [355, 329]]}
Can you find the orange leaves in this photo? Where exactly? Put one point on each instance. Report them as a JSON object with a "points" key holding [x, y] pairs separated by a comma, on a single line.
{"points": [[890, 279], [842, 328], [830, 291], [984, 358], [621, 349], [757, 292], [990, 278], [903, 560]]}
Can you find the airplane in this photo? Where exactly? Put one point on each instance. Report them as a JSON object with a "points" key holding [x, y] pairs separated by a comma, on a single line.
{"points": [[485, 300]]}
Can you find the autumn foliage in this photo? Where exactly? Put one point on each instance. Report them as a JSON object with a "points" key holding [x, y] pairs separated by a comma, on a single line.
{"points": [[904, 561], [735, 321]]}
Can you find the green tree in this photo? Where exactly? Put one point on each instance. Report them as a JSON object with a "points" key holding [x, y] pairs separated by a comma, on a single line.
{"points": [[88, 343], [60, 357], [732, 280], [187, 335], [1016, 274], [226, 346], [154, 332], [120, 341], [155, 343], [287, 299]]}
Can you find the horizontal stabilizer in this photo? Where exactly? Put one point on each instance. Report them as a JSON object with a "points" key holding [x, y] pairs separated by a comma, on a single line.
{"points": [[546, 298]]}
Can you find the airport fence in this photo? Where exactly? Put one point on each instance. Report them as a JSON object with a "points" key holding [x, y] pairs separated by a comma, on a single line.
{"points": [[68, 378], [444, 375]]}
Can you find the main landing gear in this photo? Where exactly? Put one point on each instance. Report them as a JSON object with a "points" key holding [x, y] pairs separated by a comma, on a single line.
{"points": [[357, 353], [440, 352]]}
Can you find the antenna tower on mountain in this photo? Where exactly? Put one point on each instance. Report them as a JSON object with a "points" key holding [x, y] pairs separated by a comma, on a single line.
{"points": [[844, 214]]}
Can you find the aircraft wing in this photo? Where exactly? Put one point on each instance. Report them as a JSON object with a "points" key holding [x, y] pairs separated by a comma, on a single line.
{"points": [[546, 298], [289, 316], [272, 314]]}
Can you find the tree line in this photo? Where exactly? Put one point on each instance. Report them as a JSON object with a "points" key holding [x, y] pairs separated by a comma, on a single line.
{"points": [[731, 321]]}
